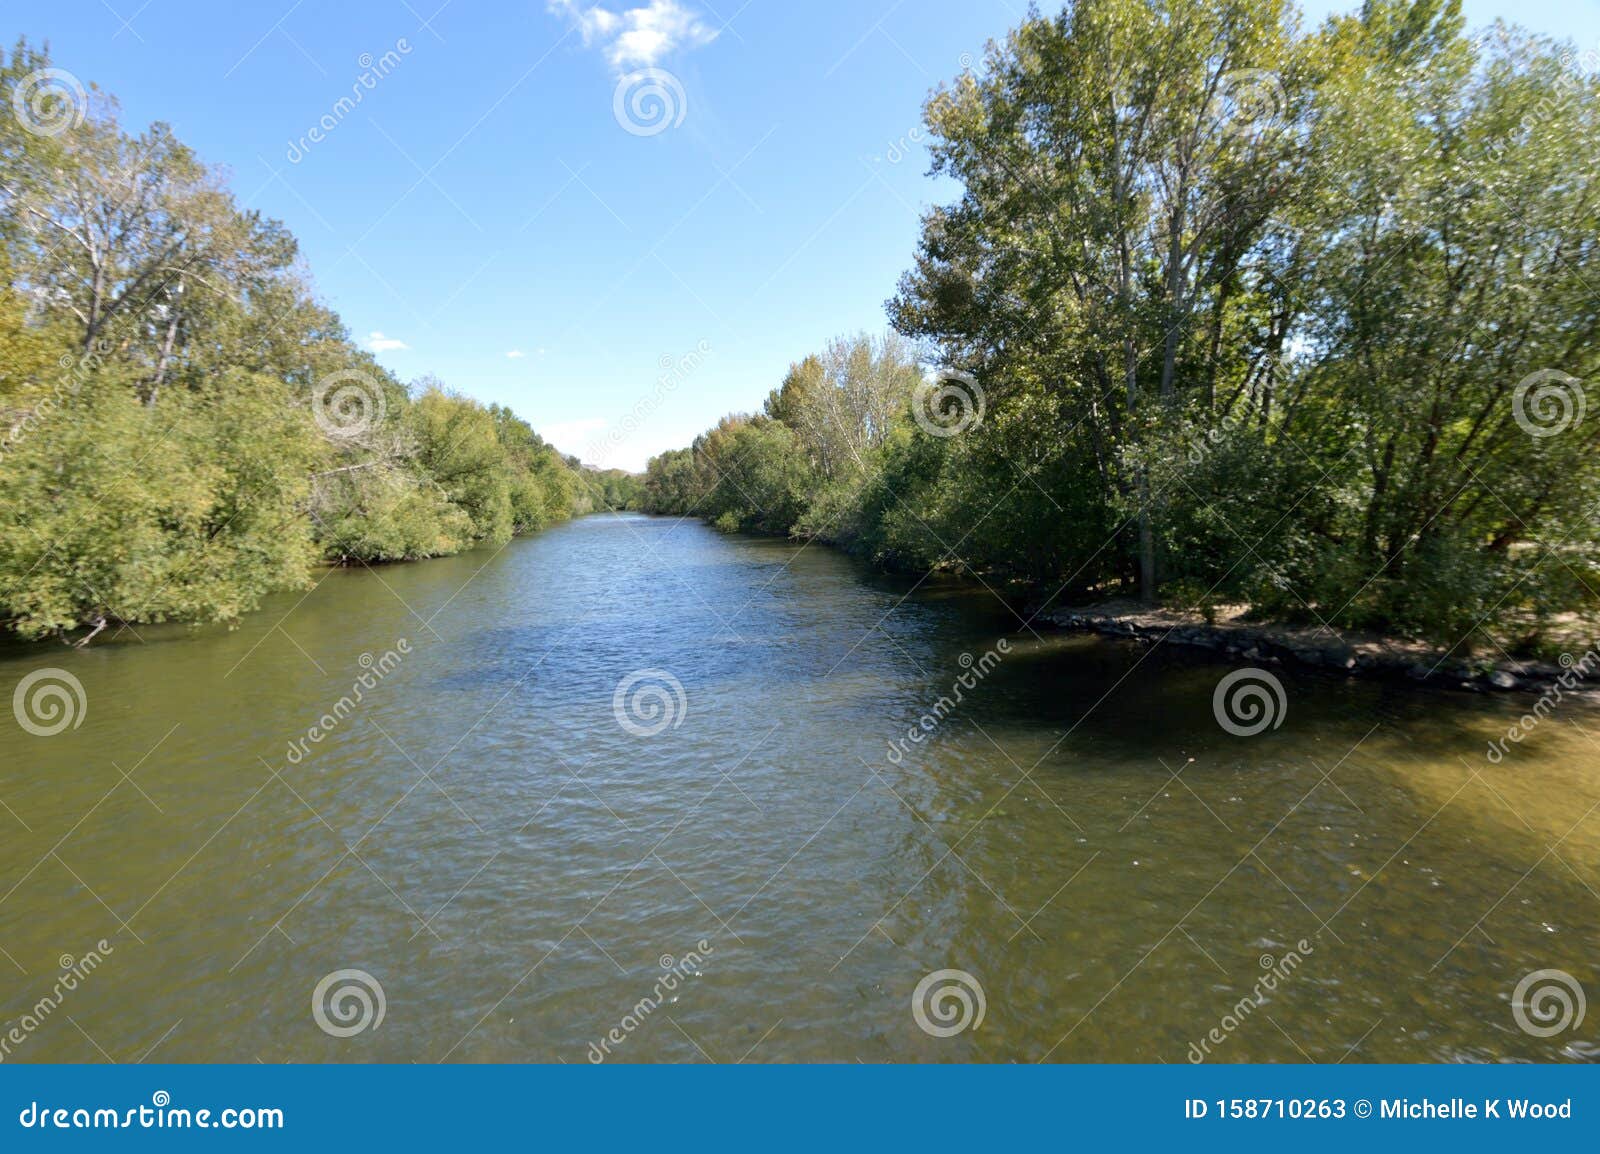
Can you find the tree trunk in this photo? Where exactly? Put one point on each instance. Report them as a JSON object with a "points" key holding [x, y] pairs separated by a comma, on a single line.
{"points": [[1147, 543], [164, 360], [1147, 536], [1175, 291], [96, 309]]}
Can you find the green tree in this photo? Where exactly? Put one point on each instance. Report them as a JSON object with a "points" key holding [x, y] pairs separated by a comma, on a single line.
{"points": [[1120, 165], [185, 428]]}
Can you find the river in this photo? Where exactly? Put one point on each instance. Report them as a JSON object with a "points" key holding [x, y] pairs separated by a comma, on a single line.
{"points": [[494, 856]]}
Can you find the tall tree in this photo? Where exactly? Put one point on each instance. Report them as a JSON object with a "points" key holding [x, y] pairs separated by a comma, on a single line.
{"points": [[1120, 163]]}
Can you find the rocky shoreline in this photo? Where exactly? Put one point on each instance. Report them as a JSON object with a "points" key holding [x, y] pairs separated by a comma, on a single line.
{"points": [[1231, 635]]}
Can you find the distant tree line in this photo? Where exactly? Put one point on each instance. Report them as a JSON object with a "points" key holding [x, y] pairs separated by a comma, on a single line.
{"points": [[1227, 310], [610, 490], [183, 427]]}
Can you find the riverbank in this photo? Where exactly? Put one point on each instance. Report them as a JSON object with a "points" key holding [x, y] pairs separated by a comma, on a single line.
{"points": [[794, 670], [1231, 632]]}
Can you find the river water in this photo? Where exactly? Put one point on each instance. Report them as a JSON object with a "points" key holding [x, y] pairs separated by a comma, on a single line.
{"points": [[745, 856]]}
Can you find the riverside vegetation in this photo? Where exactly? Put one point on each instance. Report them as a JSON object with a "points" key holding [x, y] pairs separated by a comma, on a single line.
{"points": [[1250, 313], [184, 428], [1228, 311]]}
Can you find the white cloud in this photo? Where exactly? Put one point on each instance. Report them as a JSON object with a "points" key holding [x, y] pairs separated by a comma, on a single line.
{"points": [[636, 37], [579, 438], [515, 355], [379, 343]]}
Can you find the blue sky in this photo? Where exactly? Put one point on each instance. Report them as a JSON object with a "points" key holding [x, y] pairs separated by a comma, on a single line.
{"points": [[485, 213]]}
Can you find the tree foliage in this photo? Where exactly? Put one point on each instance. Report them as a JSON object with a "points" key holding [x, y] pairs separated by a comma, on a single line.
{"points": [[1300, 318], [184, 428]]}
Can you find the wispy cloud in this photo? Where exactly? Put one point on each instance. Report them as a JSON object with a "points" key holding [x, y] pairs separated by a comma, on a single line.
{"points": [[573, 436], [636, 37], [515, 355], [379, 343]]}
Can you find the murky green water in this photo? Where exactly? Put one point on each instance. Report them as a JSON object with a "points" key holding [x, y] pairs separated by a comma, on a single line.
{"points": [[522, 875]]}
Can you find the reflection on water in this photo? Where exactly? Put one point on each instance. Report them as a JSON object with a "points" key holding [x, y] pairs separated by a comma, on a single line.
{"points": [[520, 873]]}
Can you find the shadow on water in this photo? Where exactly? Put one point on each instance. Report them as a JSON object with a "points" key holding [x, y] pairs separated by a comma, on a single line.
{"points": [[510, 849]]}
